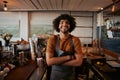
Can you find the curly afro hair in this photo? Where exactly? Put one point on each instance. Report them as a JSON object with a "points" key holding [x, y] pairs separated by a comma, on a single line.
{"points": [[64, 17]]}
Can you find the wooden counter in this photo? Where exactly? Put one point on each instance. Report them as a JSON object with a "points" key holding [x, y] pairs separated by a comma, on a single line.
{"points": [[111, 53], [41, 69], [22, 72], [102, 70]]}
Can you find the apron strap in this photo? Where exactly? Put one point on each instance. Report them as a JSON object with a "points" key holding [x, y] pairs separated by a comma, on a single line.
{"points": [[58, 40]]}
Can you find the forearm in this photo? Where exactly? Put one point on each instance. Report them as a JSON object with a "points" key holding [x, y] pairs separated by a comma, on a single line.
{"points": [[57, 60], [74, 62]]}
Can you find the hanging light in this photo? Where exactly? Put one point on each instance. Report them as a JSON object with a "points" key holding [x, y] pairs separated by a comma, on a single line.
{"points": [[113, 8], [5, 6]]}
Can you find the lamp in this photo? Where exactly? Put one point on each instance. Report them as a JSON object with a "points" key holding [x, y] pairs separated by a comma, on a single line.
{"points": [[5, 6], [113, 7]]}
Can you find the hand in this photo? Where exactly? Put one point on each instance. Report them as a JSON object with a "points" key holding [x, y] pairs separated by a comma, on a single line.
{"points": [[67, 53]]}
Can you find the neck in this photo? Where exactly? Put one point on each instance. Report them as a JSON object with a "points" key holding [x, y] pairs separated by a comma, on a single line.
{"points": [[64, 36]]}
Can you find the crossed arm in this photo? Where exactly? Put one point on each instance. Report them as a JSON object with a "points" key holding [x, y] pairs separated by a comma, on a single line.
{"points": [[67, 60]]}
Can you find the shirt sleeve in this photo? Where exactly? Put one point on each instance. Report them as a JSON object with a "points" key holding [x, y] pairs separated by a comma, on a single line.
{"points": [[77, 46], [50, 48]]}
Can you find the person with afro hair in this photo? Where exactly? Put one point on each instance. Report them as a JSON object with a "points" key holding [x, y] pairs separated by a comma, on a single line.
{"points": [[63, 51]]}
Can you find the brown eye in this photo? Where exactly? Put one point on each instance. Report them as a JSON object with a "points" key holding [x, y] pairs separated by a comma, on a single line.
{"points": [[67, 22], [61, 22]]}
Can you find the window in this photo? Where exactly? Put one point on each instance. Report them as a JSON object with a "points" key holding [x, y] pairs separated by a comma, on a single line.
{"points": [[9, 23], [41, 22]]}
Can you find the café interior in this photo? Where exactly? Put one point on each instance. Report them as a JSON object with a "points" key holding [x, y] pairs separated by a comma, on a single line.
{"points": [[25, 26]]}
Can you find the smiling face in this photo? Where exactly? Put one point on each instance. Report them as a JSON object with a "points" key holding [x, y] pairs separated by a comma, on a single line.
{"points": [[64, 26]]}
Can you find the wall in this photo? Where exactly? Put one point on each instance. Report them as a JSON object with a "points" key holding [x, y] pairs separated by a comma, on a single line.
{"points": [[24, 25]]}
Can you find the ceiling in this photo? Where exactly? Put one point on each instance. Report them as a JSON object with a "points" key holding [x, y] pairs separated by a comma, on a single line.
{"points": [[51, 5]]}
